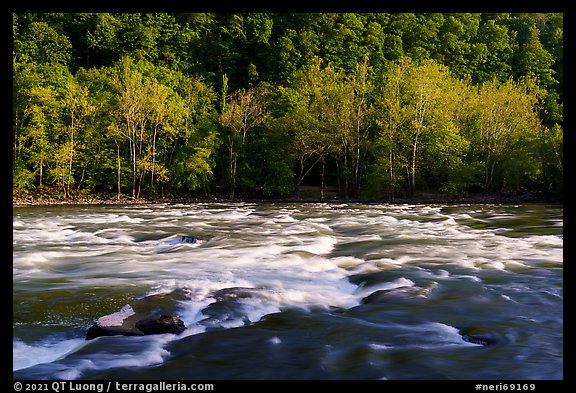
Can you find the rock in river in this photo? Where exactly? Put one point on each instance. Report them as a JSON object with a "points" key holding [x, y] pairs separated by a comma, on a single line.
{"points": [[164, 324], [399, 294], [127, 322], [482, 336], [113, 325]]}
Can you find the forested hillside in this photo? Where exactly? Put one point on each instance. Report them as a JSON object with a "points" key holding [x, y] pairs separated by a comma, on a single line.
{"points": [[264, 105]]}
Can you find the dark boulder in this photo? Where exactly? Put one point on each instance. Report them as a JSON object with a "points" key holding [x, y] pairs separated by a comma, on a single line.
{"points": [[163, 324]]}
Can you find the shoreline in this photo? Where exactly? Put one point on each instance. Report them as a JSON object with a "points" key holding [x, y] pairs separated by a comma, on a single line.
{"points": [[495, 198]]}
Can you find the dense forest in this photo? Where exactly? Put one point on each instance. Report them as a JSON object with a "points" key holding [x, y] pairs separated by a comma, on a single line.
{"points": [[381, 105]]}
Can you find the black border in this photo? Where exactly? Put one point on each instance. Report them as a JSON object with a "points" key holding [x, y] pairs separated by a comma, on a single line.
{"points": [[326, 6]]}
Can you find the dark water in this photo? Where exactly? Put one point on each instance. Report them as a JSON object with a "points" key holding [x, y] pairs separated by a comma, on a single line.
{"points": [[292, 291]]}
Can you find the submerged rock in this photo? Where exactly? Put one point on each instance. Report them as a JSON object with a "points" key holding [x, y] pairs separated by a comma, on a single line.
{"points": [[400, 293], [233, 293], [481, 336], [228, 308]]}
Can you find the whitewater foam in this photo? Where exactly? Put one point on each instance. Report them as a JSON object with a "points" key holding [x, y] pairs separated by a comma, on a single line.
{"points": [[26, 355]]}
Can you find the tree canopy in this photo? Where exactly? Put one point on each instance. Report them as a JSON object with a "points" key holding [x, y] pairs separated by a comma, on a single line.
{"points": [[372, 105]]}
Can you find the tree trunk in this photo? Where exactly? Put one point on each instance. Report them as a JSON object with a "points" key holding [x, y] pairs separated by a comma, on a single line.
{"points": [[41, 165], [391, 157], [234, 176], [186, 128], [323, 182], [489, 168], [304, 174], [232, 167], [71, 158], [490, 175], [153, 161], [346, 184], [358, 138], [134, 172], [338, 177], [140, 184], [413, 168], [119, 196]]}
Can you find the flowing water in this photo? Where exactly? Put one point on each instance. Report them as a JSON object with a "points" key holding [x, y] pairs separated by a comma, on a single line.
{"points": [[292, 291]]}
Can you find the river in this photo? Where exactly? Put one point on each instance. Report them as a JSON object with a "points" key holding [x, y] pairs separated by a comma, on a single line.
{"points": [[292, 291]]}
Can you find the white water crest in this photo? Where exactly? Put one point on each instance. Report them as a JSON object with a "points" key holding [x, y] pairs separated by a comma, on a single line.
{"points": [[45, 351]]}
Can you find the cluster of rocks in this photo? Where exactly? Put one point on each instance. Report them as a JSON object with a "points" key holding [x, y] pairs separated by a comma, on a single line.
{"points": [[148, 319]]}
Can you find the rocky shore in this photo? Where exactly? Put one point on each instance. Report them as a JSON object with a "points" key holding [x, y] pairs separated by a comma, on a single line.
{"points": [[494, 198], [500, 198], [92, 200]]}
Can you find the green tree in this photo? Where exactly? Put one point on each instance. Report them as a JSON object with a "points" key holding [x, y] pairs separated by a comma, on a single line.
{"points": [[533, 59], [361, 89], [38, 122], [456, 39], [392, 119], [193, 165], [78, 108], [35, 137], [102, 162], [419, 121], [507, 115], [425, 100], [552, 38], [291, 118], [102, 46], [199, 105], [162, 109], [131, 113], [313, 120], [242, 113], [493, 49], [342, 44], [40, 43]]}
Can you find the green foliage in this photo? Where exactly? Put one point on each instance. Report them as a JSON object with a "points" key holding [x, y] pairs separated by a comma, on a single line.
{"points": [[374, 105], [22, 178], [40, 43], [194, 166], [466, 179], [274, 160]]}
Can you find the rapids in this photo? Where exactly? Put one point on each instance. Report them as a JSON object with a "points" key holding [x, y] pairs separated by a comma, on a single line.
{"points": [[292, 291]]}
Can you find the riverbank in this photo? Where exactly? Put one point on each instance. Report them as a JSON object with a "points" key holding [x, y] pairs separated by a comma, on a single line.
{"points": [[424, 198]]}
